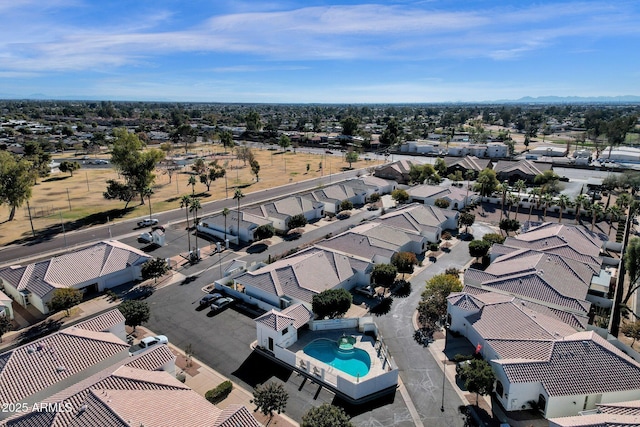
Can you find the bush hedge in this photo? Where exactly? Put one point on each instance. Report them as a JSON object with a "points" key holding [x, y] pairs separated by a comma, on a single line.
{"points": [[218, 394]]}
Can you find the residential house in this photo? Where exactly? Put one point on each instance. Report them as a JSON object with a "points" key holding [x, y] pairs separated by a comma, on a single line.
{"points": [[428, 220], [427, 194], [296, 279], [280, 211], [371, 185], [6, 308], [620, 414], [526, 170], [576, 374], [373, 250], [333, 195], [397, 171], [223, 227], [402, 239], [280, 328], [466, 164], [104, 265]]}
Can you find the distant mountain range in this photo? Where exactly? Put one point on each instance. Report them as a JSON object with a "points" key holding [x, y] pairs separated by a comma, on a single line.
{"points": [[623, 99]]}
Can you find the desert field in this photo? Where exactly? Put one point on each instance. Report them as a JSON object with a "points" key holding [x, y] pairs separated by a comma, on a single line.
{"points": [[77, 200]]}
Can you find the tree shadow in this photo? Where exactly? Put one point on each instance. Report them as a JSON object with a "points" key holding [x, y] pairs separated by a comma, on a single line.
{"points": [[257, 248], [38, 331], [56, 178], [383, 307], [52, 230]]}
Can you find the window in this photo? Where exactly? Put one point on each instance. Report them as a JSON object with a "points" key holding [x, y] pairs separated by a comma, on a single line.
{"points": [[285, 331], [499, 388], [542, 403]]}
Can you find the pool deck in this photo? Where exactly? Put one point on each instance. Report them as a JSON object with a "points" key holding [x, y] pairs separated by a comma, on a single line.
{"points": [[363, 342]]}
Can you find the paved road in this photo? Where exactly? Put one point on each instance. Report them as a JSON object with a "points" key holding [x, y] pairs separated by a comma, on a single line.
{"points": [[58, 242], [418, 369]]}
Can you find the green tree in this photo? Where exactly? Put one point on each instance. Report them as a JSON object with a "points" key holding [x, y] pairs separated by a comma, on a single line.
{"points": [[16, 180], [185, 202], [326, 415], [331, 303], [269, 398], [384, 275], [596, 211], [628, 329], [400, 196], [264, 231], [135, 313], [346, 205], [509, 225], [440, 166], [67, 166], [478, 377], [255, 169], [118, 190], [132, 162], [238, 195], [253, 121], [418, 174], [192, 182], [548, 180], [5, 325], [34, 152], [296, 221], [349, 126], [632, 264], [226, 137], [184, 133], [487, 183], [479, 248], [213, 172], [433, 302], [351, 157], [154, 269], [64, 299], [563, 202], [404, 262], [467, 219], [284, 142], [442, 203], [392, 135], [580, 201], [493, 238]]}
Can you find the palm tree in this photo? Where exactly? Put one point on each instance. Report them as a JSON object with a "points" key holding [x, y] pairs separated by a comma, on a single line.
{"points": [[185, 202], [147, 192], [563, 203], [614, 213], [580, 201], [624, 200], [546, 199], [504, 187], [195, 205], [535, 192], [238, 195], [520, 185], [192, 183], [225, 212], [596, 211]]}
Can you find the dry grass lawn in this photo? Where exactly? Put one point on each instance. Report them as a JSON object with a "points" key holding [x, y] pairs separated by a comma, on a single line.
{"points": [[78, 202]]}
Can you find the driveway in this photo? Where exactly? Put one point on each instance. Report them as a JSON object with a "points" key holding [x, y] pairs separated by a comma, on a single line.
{"points": [[418, 369]]}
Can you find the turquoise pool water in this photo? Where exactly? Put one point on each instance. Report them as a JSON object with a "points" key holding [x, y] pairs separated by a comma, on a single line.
{"points": [[354, 362]]}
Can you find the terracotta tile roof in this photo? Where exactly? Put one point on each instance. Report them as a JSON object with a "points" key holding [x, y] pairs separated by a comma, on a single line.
{"points": [[275, 320], [103, 322], [534, 286], [596, 420], [105, 399], [62, 271], [236, 416], [33, 367], [574, 320], [300, 313], [580, 364], [357, 244], [416, 217], [523, 323], [468, 162], [298, 276], [289, 206], [621, 408], [337, 193], [400, 166], [523, 166], [247, 220], [553, 235], [383, 234]]}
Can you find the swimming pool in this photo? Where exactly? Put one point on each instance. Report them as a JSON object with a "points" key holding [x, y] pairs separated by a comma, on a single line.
{"points": [[354, 362]]}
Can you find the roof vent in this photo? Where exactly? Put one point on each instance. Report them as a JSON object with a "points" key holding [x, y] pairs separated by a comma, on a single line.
{"points": [[82, 408], [31, 349], [522, 302], [542, 272], [60, 368]]}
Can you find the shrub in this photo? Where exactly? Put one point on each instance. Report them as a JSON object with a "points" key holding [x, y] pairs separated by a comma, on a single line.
{"points": [[446, 236], [493, 238], [374, 197], [433, 246], [453, 271], [218, 394]]}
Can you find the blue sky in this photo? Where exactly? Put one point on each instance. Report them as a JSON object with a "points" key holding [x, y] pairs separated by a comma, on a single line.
{"points": [[318, 51]]}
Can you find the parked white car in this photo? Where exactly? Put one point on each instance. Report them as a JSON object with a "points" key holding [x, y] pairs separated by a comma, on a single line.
{"points": [[146, 343], [147, 222], [221, 303]]}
